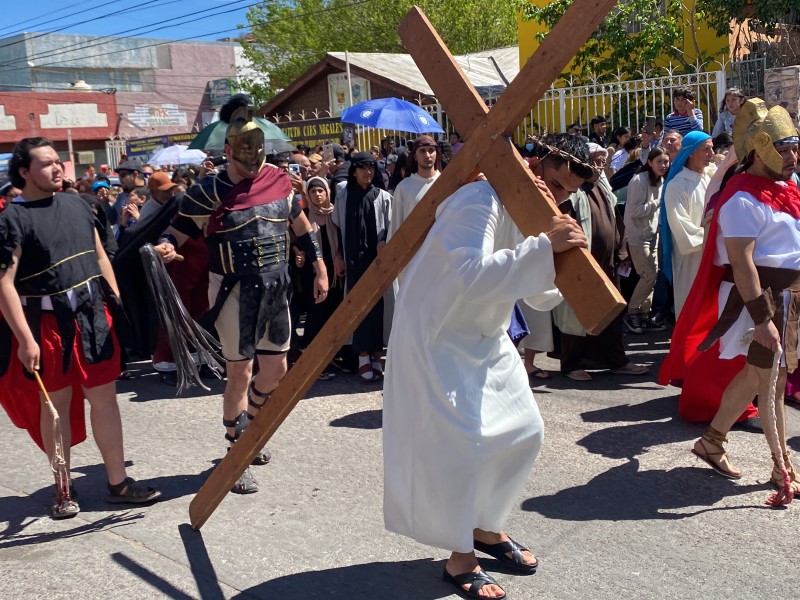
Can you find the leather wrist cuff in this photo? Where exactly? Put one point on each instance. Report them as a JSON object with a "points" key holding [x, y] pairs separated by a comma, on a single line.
{"points": [[168, 237], [761, 309]]}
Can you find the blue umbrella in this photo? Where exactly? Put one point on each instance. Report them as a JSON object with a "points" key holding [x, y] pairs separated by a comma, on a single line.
{"points": [[391, 113]]}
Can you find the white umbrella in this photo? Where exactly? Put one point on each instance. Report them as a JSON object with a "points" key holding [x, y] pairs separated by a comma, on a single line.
{"points": [[177, 155]]}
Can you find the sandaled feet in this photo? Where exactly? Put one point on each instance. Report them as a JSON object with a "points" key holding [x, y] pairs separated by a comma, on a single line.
{"points": [[263, 457], [510, 554], [709, 449], [64, 506], [475, 584], [537, 373], [631, 369], [578, 375], [129, 491], [777, 477], [246, 484]]}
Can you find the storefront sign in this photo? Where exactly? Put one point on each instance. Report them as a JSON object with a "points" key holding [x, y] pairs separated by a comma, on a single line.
{"points": [[144, 147], [313, 131], [157, 115], [219, 92]]}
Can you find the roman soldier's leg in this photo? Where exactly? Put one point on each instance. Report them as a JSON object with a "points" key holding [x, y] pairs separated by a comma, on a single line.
{"points": [[739, 393], [736, 397]]}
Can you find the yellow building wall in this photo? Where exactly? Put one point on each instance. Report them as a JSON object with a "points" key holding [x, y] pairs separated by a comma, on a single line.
{"points": [[704, 39], [707, 41]]}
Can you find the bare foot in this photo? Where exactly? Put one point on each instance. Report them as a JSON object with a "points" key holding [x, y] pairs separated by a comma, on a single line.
{"points": [[467, 563], [489, 537]]}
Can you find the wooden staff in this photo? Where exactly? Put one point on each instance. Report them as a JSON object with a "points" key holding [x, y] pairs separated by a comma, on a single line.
{"points": [[57, 462]]}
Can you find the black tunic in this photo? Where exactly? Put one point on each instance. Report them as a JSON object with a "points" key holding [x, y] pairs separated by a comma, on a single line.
{"points": [[58, 259]]}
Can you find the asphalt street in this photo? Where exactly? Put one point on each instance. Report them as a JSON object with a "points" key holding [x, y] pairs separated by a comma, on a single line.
{"points": [[616, 506]]}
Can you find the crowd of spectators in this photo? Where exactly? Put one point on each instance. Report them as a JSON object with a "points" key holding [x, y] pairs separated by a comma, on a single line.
{"points": [[356, 200]]}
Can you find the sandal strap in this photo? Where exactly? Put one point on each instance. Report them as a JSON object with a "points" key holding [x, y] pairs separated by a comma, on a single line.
{"points": [[476, 580], [239, 424], [715, 437], [131, 489], [255, 392]]}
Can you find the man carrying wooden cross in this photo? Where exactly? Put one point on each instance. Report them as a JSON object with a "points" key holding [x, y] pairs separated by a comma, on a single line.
{"points": [[461, 427]]}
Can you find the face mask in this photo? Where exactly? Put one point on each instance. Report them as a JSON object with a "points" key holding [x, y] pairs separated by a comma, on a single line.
{"points": [[528, 147]]}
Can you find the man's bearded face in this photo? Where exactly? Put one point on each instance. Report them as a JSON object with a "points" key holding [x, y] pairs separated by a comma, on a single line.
{"points": [[788, 153]]}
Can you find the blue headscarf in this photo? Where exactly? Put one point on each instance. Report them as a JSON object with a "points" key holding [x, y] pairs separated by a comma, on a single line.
{"points": [[690, 143]]}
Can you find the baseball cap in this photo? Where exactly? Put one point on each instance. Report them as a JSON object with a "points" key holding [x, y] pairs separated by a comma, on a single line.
{"points": [[99, 184], [338, 151], [130, 165], [160, 181], [314, 158]]}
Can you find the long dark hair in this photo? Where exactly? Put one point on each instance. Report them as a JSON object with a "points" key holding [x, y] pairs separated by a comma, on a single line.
{"points": [[399, 167], [646, 168]]}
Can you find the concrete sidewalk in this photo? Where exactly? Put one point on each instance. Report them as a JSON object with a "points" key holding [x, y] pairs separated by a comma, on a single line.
{"points": [[616, 506]]}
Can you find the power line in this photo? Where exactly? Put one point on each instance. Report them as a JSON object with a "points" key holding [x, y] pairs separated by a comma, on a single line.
{"points": [[166, 42], [56, 30], [48, 17], [85, 45]]}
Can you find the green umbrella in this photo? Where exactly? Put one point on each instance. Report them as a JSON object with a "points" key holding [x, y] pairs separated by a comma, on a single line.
{"points": [[213, 136]]}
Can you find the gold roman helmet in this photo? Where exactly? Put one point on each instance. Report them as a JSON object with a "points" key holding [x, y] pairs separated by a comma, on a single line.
{"points": [[759, 129], [245, 137]]}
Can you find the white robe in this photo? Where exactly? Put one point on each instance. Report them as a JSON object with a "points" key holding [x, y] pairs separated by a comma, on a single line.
{"points": [[460, 427], [685, 202]]}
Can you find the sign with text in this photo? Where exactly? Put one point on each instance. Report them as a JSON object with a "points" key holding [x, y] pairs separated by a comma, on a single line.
{"points": [[157, 115], [313, 131], [219, 92], [144, 147]]}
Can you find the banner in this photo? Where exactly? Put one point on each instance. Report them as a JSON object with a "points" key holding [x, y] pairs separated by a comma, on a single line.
{"points": [[144, 147], [313, 131], [337, 91]]}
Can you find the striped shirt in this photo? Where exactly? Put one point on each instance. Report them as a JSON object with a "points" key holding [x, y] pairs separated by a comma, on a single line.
{"points": [[683, 124]]}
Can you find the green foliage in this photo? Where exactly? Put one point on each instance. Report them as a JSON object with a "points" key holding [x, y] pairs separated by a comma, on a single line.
{"points": [[290, 36], [659, 30], [764, 14]]}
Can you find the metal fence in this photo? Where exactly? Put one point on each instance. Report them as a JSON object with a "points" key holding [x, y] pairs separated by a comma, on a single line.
{"points": [[623, 102]]}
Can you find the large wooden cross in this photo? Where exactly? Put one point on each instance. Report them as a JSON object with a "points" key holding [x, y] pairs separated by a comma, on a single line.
{"points": [[487, 145]]}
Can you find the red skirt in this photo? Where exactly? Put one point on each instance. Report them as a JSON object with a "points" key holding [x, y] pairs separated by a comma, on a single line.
{"points": [[19, 395]]}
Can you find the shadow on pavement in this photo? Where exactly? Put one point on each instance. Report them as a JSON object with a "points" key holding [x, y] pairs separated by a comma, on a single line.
{"points": [[367, 419], [629, 441], [17, 510], [625, 493], [406, 580], [200, 563], [650, 410], [145, 574]]}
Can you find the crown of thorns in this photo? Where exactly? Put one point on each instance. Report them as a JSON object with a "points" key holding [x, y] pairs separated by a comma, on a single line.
{"points": [[565, 155]]}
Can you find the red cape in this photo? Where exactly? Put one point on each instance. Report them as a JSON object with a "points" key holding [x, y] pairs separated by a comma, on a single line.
{"points": [[19, 397], [704, 375]]}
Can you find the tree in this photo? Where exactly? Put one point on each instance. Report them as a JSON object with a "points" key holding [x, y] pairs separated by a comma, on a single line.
{"points": [[289, 36], [639, 32]]}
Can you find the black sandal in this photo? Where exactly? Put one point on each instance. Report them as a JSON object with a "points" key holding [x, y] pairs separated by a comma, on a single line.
{"points": [[476, 581], [130, 492], [515, 561]]}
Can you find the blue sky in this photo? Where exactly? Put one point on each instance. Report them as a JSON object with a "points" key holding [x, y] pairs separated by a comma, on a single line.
{"points": [[100, 17]]}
